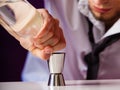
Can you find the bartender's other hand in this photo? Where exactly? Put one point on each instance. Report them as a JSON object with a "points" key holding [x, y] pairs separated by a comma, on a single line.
{"points": [[50, 37]]}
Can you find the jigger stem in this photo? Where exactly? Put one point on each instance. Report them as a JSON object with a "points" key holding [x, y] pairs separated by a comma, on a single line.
{"points": [[56, 64]]}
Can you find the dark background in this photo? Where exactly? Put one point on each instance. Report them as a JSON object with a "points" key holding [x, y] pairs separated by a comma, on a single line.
{"points": [[12, 55]]}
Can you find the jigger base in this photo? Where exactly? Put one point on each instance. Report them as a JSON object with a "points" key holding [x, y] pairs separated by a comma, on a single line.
{"points": [[56, 79]]}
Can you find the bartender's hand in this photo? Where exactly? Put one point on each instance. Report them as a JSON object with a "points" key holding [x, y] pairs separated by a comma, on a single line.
{"points": [[49, 38]]}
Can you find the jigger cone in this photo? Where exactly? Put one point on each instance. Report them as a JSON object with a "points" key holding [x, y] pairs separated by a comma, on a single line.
{"points": [[56, 64]]}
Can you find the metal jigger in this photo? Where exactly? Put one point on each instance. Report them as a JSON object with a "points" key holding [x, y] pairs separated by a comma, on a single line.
{"points": [[56, 64]]}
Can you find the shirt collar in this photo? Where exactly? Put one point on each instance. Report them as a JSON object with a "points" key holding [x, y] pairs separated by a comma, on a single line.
{"points": [[113, 30]]}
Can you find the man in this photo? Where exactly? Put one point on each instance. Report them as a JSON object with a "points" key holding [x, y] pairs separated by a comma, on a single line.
{"points": [[74, 17]]}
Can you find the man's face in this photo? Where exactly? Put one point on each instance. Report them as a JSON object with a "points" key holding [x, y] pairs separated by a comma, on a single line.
{"points": [[105, 10]]}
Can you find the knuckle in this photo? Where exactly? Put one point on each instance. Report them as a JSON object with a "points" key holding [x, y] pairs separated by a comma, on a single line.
{"points": [[55, 41]]}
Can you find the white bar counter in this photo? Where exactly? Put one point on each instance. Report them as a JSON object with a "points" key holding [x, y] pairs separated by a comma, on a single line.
{"points": [[70, 85]]}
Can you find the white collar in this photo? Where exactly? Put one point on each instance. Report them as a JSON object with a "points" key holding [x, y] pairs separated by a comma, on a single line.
{"points": [[113, 30]]}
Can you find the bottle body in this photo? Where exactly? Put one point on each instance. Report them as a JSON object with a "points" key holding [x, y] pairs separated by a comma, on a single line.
{"points": [[20, 18]]}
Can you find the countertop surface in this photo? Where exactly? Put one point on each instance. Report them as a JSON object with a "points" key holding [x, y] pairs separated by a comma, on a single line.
{"points": [[70, 85]]}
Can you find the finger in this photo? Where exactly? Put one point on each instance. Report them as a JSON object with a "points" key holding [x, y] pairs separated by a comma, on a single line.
{"points": [[43, 39], [48, 22], [43, 54], [51, 42], [51, 38], [57, 35], [61, 44]]}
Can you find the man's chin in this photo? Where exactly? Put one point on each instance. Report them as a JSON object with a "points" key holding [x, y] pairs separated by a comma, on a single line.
{"points": [[100, 18], [106, 18]]}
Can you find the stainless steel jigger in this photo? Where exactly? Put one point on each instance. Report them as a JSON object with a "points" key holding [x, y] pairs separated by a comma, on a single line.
{"points": [[56, 64]]}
